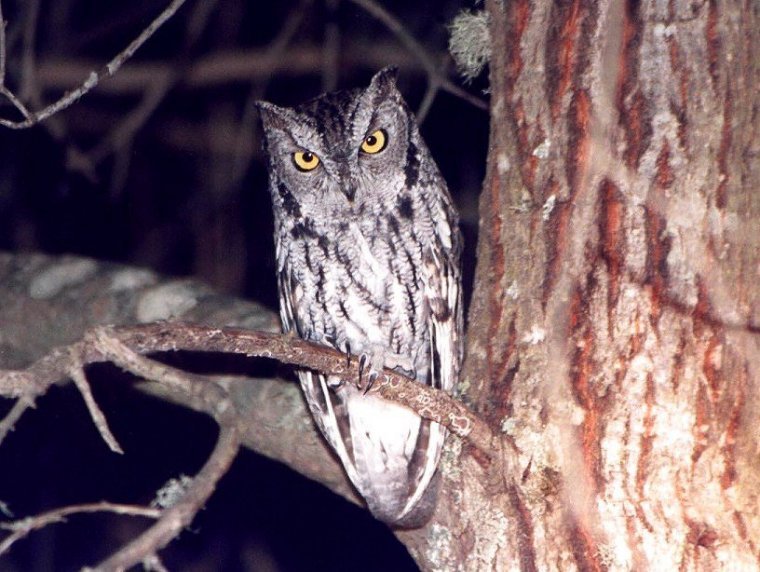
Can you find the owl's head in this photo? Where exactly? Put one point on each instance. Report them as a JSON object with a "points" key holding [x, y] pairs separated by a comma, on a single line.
{"points": [[342, 153]]}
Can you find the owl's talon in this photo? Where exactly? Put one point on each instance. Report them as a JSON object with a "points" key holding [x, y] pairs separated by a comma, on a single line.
{"points": [[363, 359], [373, 360], [371, 378]]}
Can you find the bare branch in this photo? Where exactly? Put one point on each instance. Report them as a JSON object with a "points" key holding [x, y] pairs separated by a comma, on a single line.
{"points": [[436, 78], [181, 514], [121, 137], [427, 102], [274, 53], [103, 344], [225, 67], [331, 48], [425, 401], [211, 396], [92, 79], [77, 374], [21, 528], [2, 46], [3, 55], [29, 90], [16, 102], [9, 421]]}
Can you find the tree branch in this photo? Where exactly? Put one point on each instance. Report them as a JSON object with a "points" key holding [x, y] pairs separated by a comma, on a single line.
{"points": [[102, 345], [179, 515], [92, 80], [436, 79], [21, 528]]}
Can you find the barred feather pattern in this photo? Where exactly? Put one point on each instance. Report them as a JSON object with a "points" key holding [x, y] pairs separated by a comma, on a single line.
{"points": [[368, 249]]}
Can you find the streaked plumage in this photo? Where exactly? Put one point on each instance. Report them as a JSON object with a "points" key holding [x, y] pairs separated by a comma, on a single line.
{"points": [[368, 262]]}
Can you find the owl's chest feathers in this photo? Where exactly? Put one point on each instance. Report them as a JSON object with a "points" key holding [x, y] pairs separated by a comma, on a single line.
{"points": [[358, 280]]}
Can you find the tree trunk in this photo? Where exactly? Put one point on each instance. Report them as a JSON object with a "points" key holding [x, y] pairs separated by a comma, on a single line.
{"points": [[613, 334]]}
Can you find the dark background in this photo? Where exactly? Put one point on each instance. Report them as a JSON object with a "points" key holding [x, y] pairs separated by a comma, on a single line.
{"points": [[173, 179]]}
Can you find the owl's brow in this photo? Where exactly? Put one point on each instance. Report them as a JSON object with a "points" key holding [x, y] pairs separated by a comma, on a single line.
{"points": [[328, 110]]}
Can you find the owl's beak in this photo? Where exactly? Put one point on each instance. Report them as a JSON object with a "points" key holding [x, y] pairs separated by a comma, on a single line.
{"points": [[350, 192], [346, 179]]}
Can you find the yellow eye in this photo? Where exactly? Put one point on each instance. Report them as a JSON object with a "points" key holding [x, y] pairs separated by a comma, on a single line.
{"points": [[375, 142], [305, 160]]}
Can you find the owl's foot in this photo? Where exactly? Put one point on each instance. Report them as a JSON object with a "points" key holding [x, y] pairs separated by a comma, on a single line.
{"points": [[364, 385], [372, 362], [342, 344]]}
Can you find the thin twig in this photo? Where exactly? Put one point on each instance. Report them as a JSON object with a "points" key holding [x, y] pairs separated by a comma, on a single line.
{"points": [[93, 78], [331, 47], [226, 67], [273, 54], [435, 76], [21, 528], [123, 134], [121, 137], [9, 421], [16, 102], [180, 514], [77, 374], [427, 101], [29, 90], [4, 91], [2, 45], [210, 395]]}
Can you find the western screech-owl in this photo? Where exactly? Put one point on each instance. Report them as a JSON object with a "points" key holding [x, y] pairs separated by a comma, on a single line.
{"points": [[368, 254]]}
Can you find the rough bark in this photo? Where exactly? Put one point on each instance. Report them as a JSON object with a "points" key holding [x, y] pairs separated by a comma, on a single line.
{"points": [[613, 335]]}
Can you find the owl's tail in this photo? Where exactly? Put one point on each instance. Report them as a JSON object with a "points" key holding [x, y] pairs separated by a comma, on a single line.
{"points": [[395, 454], [389, 453]]}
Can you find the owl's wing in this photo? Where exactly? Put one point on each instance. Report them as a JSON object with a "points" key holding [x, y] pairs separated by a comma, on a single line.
{"points": [[443, 298], [328, 412]]}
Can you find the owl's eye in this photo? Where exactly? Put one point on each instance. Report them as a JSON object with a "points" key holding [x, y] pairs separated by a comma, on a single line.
{"points": [[375, 142], [305, 160]]}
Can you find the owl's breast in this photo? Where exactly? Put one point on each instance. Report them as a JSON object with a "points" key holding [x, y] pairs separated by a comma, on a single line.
{"points": [[357, 289]]}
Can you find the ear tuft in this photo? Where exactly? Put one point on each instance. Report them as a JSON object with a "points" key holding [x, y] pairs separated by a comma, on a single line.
{"points": [[272, 116], [384, 80]]}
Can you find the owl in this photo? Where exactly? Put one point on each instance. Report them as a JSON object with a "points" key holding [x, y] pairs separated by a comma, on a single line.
{"points": [[368, 248]]}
